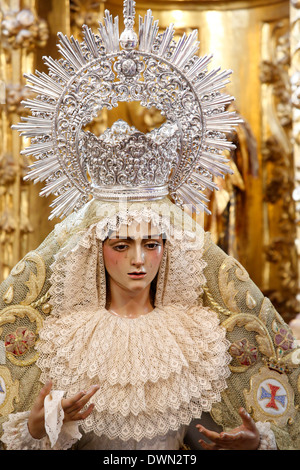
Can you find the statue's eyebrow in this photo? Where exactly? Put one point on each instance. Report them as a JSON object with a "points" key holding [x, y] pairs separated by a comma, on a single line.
{"points": [[145, 237]]}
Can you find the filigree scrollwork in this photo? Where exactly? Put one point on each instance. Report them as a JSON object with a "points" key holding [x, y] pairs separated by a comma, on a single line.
{"points": [[107, 69], [9, 314]]}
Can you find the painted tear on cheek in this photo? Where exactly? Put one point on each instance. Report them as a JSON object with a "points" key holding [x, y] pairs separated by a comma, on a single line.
{"points": [[110, 257]]}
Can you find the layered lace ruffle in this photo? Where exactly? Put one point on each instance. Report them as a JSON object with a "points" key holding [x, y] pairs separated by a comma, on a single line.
{"points": [[156, 372]]}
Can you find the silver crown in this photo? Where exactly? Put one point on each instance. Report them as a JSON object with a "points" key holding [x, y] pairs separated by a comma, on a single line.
{"points": [[124, 162], [179, 159]]}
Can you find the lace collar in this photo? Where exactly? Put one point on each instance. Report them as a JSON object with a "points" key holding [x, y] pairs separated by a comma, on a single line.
{"points": [[156, 372]]}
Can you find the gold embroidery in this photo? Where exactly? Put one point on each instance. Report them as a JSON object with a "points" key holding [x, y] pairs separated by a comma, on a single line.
{"points": [[295, 357], [9, 314], [265, 310], [245, 353], [46, 308], [22, 362], [10, 391], [290, 360], [20, 341], [227, 288], [240, 271], [298, 383], [35, 284], [252, 323], [9, 295], [274, 326], [250, 301], [215, 304], [41, 301], [36, 281], [19, 268]]}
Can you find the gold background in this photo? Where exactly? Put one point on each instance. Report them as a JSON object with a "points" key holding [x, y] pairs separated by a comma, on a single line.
{"points": [[255, 217]]}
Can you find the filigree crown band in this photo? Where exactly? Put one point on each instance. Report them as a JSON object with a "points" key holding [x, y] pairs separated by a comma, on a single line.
{"points": [[124, 162], [179, 159]]}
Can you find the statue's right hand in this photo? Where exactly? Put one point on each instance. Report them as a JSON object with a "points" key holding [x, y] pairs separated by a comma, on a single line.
{"points": [[71, 406], [36, 420]]}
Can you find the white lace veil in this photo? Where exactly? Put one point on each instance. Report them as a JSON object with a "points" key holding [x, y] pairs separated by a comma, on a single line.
{"points": [[78, 279]]}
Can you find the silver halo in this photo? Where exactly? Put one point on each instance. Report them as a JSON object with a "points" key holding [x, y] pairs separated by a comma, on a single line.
{"points": [[152, 69]]}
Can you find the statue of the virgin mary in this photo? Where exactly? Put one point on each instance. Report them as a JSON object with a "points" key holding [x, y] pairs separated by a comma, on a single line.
{"points": [[128, 327]]}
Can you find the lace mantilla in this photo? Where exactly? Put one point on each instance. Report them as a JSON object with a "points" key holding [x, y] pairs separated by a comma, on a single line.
{"points": [[156, 372], [78, 273]]}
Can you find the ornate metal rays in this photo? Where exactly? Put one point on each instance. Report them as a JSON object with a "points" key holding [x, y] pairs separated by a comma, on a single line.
{"points": [[103, 70]]}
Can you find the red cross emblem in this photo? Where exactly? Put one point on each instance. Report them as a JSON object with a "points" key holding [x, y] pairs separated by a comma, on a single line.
{"points": [[273, 396]]}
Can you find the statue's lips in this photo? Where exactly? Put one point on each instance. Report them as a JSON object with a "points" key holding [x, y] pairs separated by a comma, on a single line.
{"points": [[137, 275]]}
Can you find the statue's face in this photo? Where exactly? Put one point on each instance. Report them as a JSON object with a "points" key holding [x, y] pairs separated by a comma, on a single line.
{"points": [[132, 256]]}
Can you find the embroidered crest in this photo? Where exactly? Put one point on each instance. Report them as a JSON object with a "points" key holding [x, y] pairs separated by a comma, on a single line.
{"points": [[271, 397]]}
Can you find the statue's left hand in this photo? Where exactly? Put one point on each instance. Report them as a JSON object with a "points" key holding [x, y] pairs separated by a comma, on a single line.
{"points": [[244, 437]]}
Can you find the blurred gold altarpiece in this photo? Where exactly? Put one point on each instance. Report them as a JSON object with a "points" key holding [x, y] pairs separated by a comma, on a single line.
{"points": [[256, 213]]}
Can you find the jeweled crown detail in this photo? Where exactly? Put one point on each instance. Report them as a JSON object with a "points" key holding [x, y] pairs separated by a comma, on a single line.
{"points": [[108, 68], [125, 161]]}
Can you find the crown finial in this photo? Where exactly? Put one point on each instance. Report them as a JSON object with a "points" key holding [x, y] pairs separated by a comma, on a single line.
{"points": [[128, 38]]}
